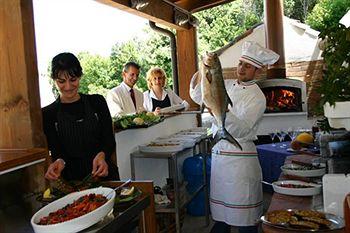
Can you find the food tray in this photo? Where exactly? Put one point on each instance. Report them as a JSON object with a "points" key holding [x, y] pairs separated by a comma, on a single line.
{"points": [[296, 170], [314, 190], [173, 108], [184, 143], [158, 148], [337, 223], [76, 224]]}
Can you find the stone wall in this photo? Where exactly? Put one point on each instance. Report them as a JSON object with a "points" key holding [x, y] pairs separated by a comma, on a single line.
{"points": [[307, 71]]}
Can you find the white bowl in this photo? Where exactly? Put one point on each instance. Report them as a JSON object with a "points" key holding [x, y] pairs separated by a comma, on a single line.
{"points": [[76, 224], [292, 169], [314, 190]]}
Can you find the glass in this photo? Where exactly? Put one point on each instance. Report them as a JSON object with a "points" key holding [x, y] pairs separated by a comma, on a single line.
{"points": [[292, 133], [281, 135], [273, 136]]}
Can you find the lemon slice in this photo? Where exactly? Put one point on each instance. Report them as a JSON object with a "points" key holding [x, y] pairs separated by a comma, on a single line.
{"points": [[47, 193], [127, 191]]}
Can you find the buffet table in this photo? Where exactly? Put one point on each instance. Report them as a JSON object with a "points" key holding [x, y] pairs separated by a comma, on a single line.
{"points": [[272, 157], [127, 141], [281, 201], [123, 218]]}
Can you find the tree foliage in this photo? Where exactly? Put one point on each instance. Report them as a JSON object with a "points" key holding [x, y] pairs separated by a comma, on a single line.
{"points": [[335, 85], [97, 76]]}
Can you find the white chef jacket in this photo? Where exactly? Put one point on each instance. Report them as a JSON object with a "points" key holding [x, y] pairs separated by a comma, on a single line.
{"points": [[235, 186], [120, 103], [174, 99]]}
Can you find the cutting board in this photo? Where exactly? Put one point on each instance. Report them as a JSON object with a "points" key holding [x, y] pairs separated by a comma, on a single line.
{"points": [[335, 189]]}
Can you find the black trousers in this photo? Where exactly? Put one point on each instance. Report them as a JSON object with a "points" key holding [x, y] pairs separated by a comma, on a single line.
{"points": [[221, 227]]}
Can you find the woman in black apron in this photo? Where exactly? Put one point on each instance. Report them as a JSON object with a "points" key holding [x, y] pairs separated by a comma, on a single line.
{"points": [[78, 127], [158, 97]]}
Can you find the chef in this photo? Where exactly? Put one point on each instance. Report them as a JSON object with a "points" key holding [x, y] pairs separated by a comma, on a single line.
{"points": [[235, 185]]}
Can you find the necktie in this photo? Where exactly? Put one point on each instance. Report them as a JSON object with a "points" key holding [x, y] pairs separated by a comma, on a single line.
{"points": [[132, 94]]}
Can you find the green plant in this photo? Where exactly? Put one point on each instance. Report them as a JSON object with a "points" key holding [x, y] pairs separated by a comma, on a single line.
{"points": [[335, 85]]}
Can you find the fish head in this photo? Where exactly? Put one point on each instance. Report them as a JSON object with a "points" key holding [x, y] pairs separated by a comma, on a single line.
{"points": [[210, 59]]}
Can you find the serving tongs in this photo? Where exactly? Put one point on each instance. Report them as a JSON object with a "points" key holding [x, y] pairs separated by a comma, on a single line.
{"points": [[119, 187]]}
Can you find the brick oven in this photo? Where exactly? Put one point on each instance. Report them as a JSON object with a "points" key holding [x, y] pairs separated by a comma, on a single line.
{"points": [[284, 95]]}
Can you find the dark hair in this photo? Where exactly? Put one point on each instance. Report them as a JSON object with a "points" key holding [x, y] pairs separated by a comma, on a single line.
{"points": [[66, 62], [129, 64]]}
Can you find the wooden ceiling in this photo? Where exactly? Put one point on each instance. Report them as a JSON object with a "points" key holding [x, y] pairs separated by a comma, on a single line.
{"points": [[198, 5], [163, 11]]}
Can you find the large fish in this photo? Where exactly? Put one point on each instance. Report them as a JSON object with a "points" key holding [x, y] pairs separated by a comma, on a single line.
{"points": [[214, 95]]}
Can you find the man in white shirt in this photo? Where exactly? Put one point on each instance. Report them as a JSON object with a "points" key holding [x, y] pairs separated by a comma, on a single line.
{"points": [[124, 99]]}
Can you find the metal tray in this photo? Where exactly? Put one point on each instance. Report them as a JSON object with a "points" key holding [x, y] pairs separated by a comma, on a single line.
{"points": [[337, 223]]}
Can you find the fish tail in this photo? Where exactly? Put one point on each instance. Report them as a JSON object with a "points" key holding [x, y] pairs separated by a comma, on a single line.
{"points": [[223, 134]]}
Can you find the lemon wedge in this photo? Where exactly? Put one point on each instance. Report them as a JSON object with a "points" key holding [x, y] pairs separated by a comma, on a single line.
{"points": [[47, 193], [127, 191]]}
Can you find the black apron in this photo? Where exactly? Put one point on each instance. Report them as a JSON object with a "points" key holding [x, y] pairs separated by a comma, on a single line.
{"points": [[80, 140], [160, 103]]}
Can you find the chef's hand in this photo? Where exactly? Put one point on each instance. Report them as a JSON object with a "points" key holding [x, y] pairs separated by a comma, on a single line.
{"points": [[55, 169], [196, 79], [99, 165], [157, 111]]}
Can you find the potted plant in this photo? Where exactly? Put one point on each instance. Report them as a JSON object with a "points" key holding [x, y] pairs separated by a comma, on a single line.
{"points": [[335, 85]]}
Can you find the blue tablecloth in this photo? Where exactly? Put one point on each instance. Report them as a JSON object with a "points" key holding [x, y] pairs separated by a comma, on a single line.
{"points": [[272, 157]]}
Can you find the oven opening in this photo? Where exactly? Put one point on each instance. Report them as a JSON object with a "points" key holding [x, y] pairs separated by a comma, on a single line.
{"points": [[282, 99]]}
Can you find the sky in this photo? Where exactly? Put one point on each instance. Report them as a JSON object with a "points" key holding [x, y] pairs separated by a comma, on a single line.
{"points": [[80, 25], [75, 26]]}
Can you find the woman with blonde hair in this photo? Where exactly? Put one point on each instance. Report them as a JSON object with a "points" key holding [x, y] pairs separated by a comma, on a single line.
{"points": [[158, 97]]}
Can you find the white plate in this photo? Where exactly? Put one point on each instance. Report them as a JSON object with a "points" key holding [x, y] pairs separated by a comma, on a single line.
{"points": [[291, 169], [173, 108], [184, 143], [314, 190], [76, 224], [161, 149]]}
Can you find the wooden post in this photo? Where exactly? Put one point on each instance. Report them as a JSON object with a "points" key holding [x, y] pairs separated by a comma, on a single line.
{"points": [[20, 112], [186, 41], [273, 10]]}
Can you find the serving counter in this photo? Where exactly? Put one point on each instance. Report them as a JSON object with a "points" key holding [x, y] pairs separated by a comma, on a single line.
{"points": [[127, 141], [282, 202]]}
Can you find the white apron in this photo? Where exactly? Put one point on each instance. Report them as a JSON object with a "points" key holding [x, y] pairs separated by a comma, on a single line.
{"points": [[235, 185]]}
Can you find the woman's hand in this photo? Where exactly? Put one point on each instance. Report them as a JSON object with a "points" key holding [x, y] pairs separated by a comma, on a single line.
{"points": [[99, 165], [157, 111], [55, 169]]}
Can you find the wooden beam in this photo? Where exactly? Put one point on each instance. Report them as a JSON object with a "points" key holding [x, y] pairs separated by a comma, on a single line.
{"points": [[186, 41], [20, 112], [156, 11], [199, 5], [274, 36]]}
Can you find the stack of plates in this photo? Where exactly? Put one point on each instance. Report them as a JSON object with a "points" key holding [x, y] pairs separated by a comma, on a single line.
{"points": [[161, 147]]}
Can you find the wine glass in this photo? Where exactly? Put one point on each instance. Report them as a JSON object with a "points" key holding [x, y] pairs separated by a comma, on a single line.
{"points": [[273, 136], [281, 135]]}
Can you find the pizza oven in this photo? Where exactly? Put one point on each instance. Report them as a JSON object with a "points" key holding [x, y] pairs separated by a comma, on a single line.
{"points": [[284, 95]]}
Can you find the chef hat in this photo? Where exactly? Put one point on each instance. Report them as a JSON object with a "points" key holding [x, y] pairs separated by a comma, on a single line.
{"points": [[255, 54]]}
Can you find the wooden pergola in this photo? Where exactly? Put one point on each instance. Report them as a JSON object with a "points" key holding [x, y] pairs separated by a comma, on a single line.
{"points": [[20, 111]]}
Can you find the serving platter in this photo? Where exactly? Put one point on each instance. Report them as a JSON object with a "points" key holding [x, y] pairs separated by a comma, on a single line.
{"points": [[161, 148], [304, 171], [183, 142], [76, 224], [336, 222], [173, 108], [296, 188]]}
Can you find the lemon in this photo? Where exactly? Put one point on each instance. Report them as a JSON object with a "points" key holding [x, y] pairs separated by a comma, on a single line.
{"points": [[138, 121], [127, 191], [305, 138], [47, 193]]}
